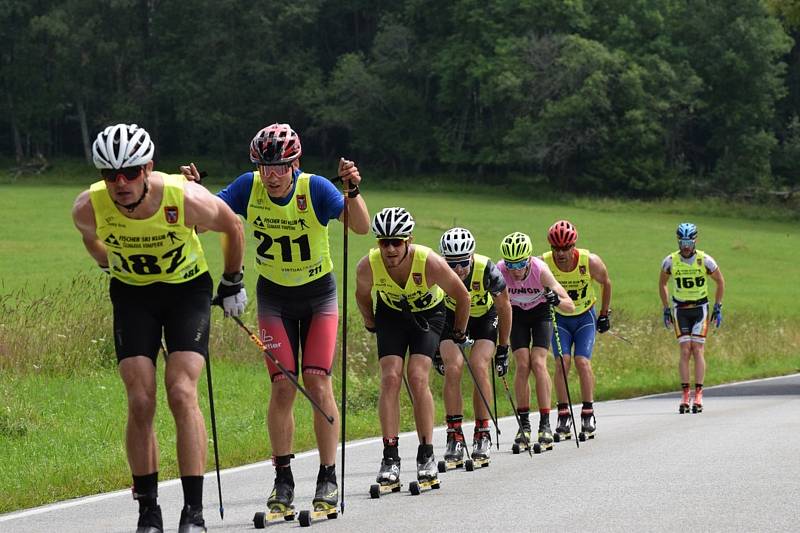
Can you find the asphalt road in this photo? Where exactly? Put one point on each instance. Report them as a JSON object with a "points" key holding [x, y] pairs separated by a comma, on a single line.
{"points": [[734, 467]]}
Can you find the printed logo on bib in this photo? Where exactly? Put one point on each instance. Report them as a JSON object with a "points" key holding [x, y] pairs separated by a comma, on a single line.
{"points": [[476, 285], [302, 205], [111, 240], [417, 277], [582, 270], [171, 214]]}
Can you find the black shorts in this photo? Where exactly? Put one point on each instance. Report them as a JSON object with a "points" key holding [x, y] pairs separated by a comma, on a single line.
{"points": [[478, 327], [399, 332], [182, 311], [532, 326]]}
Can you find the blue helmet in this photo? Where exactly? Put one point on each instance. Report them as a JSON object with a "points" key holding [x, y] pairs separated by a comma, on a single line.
{"points": [[687, 230]]}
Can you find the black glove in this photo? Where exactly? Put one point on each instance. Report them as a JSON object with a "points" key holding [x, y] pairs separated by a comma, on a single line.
{"points": [[231, 294], [438, 363], [667, 317], [603, 323], [716, 315], [461, 339], [552, 298], [501, 360]]}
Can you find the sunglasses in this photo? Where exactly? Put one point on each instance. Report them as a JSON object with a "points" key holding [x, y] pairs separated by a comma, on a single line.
{"points": [[561, 248], [453, 264], [385, 243], [111, 175], [278, 170], [685, 243], [517, 265]]}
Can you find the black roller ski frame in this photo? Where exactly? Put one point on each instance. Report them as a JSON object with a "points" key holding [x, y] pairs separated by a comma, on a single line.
{"points": [[274, 514], [537, 447], [378, 489], [418, 487], [558, 437], [321, 511]]}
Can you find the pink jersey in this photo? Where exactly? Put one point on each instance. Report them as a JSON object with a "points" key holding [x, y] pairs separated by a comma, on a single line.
{"points": [[529, 292]]}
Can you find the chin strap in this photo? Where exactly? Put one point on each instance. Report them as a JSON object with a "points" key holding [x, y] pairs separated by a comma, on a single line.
{"points": [[134, 205]]}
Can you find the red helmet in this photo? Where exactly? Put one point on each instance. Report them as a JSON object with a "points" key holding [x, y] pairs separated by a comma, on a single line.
{"points": [[562, 234], [274, 145]]}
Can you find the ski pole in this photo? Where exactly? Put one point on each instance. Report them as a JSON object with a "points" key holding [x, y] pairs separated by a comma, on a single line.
{"points": [[494, 398], [564, 372], [516, 415], [620, 337], [282, 368], [345, 223], [478, 387], [213, 428]]}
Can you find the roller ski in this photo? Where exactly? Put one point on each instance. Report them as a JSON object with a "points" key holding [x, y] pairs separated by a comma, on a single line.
{"points": [[427, 476], [545, 439], [587, 426], [563, 427], [192, 520], [279, 504], [522, 442], [697, 404], [388, 479], [684, 406], [481, 445], [326, 497], [454, 453]]}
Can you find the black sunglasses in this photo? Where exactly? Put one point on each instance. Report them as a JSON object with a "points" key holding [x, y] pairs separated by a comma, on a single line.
{"points": [[397, 243], [453, 264], [111, 175]]}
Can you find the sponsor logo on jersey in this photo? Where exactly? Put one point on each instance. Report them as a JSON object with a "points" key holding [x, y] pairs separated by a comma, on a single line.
{"points": [[582, 270], [476, 285], [171, 214], [417, 277]]}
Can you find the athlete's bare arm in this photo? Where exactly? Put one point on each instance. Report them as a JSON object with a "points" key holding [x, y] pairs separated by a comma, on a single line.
{"points": [[663, 278], [547, 279], [439, 273], [208, 211], [358, 216], [599, 273], [83, 218], [719, 280], [364, 291], [502, 304]]}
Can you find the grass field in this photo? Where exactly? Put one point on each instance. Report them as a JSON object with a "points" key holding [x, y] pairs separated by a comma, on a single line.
{"points": [[62, 405]]}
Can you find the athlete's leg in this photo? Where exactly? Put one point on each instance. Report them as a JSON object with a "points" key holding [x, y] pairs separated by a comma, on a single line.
{"points": [[686, 354], [565, 341], [389, 401], [583, 337], [479, 360], [543, 382], [139, 376], [586, 376], [561, 389], [453, 369], [419, 367], [522, 387], [698, 353], [182, 373]]}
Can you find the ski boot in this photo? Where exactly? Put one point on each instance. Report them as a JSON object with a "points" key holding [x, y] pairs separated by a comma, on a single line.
{"points": [[697, 404], [563, 427], [279, 503], [587, 426], [454, 453], [684, 406], [388, 478], [325, 498], [545, 439], [481, 446], [427, 476], [523, 439], [150, 520], [192, 520]]}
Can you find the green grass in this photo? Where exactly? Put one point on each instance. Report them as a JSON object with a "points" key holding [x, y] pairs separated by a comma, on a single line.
{"points": [[62, 406]]}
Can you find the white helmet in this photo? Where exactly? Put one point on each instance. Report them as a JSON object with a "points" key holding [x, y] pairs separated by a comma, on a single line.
{"points": [[123, 145], [392, 222], [457, 242]]}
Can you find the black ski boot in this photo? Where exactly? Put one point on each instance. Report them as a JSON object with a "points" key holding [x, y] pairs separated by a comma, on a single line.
{"points": [[192, 520], [524, 434], [454, 453], [389, 472], [426, 469], [327, 493], [150, 520], [563, 427], [481, 445], [587, 425], [282, 495]]}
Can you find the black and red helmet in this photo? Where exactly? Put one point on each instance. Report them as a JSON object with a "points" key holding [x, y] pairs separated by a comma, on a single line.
{"points": [[562, 234], [275, 145]]}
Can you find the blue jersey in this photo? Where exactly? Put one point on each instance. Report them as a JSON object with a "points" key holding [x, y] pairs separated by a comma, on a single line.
{"points": [[327, 199]]}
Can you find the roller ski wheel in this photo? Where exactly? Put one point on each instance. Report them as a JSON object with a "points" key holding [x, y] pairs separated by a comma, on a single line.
{"points": [[583, 436], [376, 490], [418, 487], [443, 466], [275, 513], [469, 466], [515, 448], [321, 511]]}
